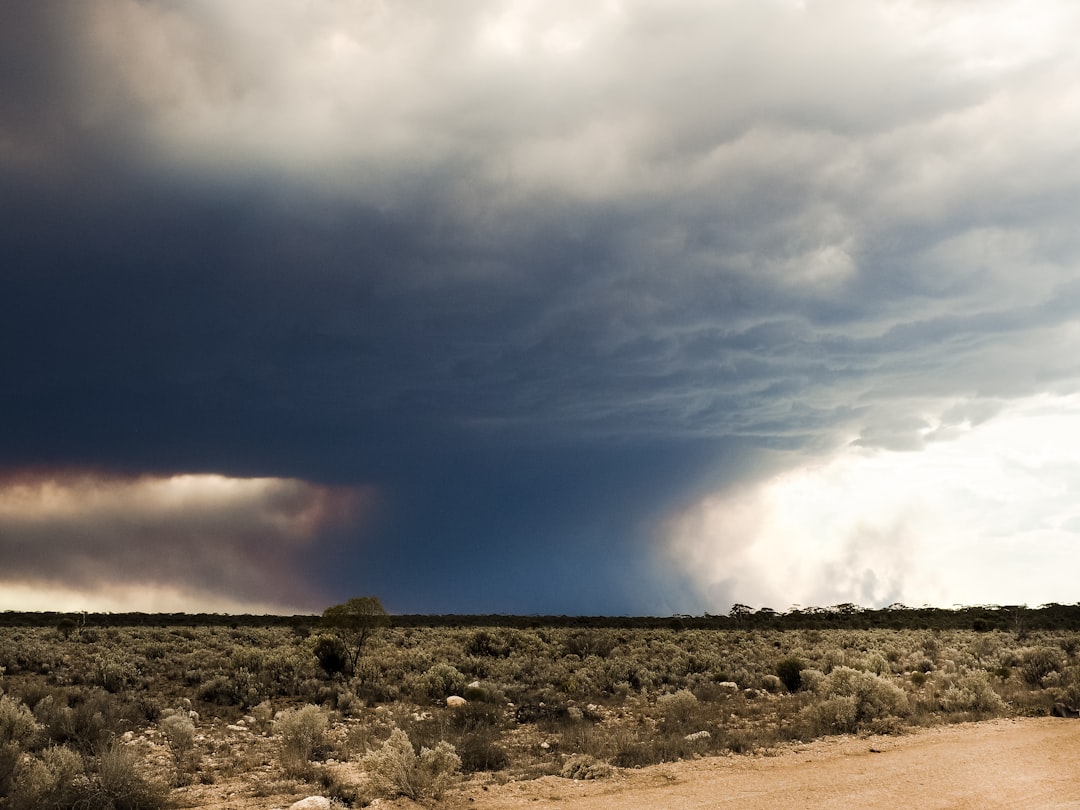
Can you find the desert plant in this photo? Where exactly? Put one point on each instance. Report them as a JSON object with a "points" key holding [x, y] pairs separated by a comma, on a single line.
{"points": [[972, 693], [678, 710], [302, 732], [585, 766], [395, 769], [179, 733], [332, 655], [442, 680], [118, 785], [17, 728], [55, 779], [851, 699], [1038, 662], [789, 671]]}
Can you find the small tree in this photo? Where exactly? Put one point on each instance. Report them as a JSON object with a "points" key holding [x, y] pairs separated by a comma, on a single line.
{"points": [[354, 622]]}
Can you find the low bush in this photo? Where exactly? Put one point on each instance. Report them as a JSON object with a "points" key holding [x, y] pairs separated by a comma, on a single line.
{"points": [[1038, 662], [395, 769], [972, 692], [302, 732], [17, 729], [55, 779], [443, 680], [851, 699], [179, 733], [585, 766], [678, 710]]}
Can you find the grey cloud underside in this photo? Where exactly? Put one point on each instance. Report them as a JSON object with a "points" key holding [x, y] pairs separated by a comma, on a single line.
{"points": [[711, 232]]}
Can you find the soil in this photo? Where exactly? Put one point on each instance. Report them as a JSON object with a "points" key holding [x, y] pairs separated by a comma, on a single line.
{"points": [[1031, 763]]}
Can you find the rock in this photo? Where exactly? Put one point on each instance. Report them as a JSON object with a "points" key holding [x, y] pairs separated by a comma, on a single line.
{"points": [[311, 803], [455, 700], [1061, 710], [728, 686]]}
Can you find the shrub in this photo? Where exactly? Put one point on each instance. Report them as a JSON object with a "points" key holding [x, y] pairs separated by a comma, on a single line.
{"points": [[395, 769], [17, 728], [585, 766], [1038, 662], [55, 780], [591, 642], [119, 785], [220, 691], [789, 671], [852, 699], [484, 645], [480, 751], [443, 680], [771, 684], [332, 655], [179, 733], [302, 732], [678, 709], [972, 693]]}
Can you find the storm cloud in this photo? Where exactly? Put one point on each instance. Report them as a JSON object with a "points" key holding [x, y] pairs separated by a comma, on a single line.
{"points": [[560, 284]]}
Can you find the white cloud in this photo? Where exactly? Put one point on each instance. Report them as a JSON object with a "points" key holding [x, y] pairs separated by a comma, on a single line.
{"points": [[986, 517]]}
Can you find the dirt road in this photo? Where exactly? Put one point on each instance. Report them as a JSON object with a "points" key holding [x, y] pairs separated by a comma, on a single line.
{"points": [[1030, 763]]}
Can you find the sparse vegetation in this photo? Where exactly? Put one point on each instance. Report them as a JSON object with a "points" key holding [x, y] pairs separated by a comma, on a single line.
{"points": [[93, 715]]}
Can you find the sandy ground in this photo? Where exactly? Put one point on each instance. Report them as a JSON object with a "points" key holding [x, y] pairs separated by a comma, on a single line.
{"points": [[1029, 763]]}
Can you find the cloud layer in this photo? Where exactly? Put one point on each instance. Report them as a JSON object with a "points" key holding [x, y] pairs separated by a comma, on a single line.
{"points": [[548, 277], [187, 540]]}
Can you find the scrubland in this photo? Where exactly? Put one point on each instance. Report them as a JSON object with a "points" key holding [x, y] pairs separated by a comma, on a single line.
{"points": [[147, 717]]}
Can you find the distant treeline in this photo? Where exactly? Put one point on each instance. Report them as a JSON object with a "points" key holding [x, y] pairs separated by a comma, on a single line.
{"points": [[1018, 618]]}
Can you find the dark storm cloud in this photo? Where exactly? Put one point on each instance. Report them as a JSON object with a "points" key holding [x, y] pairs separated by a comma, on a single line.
{"points": [[541, 275]]}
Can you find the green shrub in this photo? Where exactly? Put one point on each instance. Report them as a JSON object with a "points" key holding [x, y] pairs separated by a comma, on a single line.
{"points": [[220, 691], [395, 769]]}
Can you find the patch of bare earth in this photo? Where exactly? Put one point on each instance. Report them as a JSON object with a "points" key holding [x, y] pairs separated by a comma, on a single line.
{"points": [[1030, 763], [1025, 763]]}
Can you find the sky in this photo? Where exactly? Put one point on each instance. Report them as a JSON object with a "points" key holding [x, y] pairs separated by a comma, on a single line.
{"points": [[621, 307]]}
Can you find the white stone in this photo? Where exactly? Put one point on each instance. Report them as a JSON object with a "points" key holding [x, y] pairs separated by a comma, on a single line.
{"points": [[311, 803], [455, 700]]}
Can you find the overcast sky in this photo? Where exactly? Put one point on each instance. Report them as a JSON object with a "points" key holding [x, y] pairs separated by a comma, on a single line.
{"points": [[538, 307]]}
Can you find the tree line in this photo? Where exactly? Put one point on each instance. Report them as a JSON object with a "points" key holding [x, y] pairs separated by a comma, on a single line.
{"points": [[1016, 618]]}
